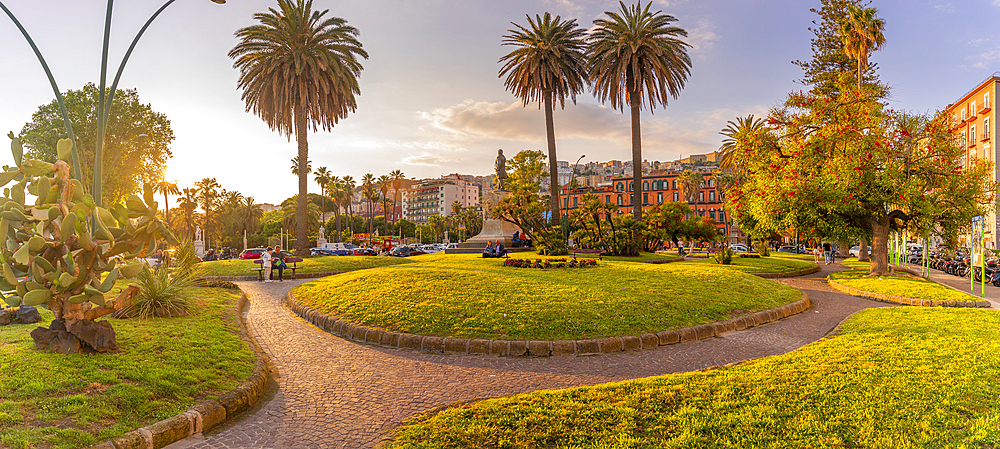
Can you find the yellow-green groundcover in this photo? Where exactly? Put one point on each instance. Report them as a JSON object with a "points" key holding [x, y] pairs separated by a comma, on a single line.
{"points": [[906, 377]]}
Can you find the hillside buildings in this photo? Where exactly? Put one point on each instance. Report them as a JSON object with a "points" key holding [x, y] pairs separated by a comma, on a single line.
{"points": [[435, 197]]}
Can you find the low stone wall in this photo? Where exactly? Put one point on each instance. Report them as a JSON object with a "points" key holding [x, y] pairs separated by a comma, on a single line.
{"points": [[254, 277], [205, 414], [903, 299], [519, 348], [790, 274]]}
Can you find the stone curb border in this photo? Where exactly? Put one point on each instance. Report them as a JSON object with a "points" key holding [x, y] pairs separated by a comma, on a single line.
{"points": [[903, 299], [790, 274], [254, 277], [205, 414], [518, 348]]}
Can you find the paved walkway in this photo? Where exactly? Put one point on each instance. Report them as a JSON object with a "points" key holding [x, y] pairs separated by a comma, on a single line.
{"points": [[962, 284], [339, 394]]}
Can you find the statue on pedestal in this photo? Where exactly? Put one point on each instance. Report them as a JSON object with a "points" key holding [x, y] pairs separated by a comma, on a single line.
{"points": [[501, 169], [322, 232]]}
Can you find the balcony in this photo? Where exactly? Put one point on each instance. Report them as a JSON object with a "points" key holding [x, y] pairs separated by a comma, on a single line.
{"points": [[972, 117], [984, 109]]}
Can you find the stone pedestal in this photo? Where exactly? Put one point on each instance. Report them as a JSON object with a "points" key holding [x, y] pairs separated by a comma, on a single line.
{"points": [[493, 229], [320, 242], [199, 248]]}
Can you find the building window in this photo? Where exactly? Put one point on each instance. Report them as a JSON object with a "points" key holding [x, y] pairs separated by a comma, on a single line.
{"points": [[659, 197], [722, 216], [963, 114], [675, 188], [619, 200], [675, 197], [607, 199], [986, 100], [711, 196], [631, 186], [972, 109], [645, 185], [986, 128], [701, 197], [574, 201], [645, 198], [711, 214], [565, 203], [972, 135], [618, 187]]}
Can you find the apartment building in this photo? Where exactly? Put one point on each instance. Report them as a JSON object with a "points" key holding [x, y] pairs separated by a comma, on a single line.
{"points": [[435, 197], [973, 125]]}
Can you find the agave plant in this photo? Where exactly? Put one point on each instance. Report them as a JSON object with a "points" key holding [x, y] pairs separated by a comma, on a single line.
{"points": [[64, 252]]}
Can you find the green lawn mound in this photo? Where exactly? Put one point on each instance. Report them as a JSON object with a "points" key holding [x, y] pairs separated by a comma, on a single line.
{"points": [[326, 264], [892, 378], [164, 366], [899, 285], [464, 296], [775, 263]]}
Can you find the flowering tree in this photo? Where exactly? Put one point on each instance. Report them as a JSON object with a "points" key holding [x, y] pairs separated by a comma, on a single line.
{"points": [[847, 166]]}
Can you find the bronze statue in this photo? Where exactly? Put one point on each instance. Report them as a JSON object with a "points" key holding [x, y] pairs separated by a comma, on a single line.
{"points": [[501, 169]]}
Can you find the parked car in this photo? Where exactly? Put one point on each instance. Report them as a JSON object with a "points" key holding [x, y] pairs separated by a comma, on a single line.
{"points": [[739, 248], [788, 249], [363, 252], [251, 253], [321, 252], [405, 251], [853, 252]]}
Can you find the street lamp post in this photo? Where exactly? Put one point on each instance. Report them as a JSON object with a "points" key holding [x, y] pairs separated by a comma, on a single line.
{"points": [[103, 104], [572, 184]]}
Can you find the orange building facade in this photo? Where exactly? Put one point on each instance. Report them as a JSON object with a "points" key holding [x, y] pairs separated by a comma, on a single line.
{"points": [[657, 189], [973, 123]]}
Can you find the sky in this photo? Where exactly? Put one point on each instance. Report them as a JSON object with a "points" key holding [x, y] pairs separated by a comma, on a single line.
{"points": [[432, 102]]}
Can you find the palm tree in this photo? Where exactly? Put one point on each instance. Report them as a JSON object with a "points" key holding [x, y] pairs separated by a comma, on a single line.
{"points": [[335, 190], [369, 192], [349, 185], [166, 188], [637, 57], [295, 166], [397, 183], [742, 138], [861, 34], [322, 178], [208, 199], [384, 184], [547, 64], [691, 182], [249, 215], [298, 69]]}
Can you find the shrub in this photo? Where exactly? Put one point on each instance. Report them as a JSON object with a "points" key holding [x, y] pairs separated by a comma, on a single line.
{"points": [[160, 294], [763, 249], [724, 257]]}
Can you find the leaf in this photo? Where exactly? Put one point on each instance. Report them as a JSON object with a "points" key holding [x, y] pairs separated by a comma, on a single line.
{"points": [[64, 149], [16, 148], [21, 255]]}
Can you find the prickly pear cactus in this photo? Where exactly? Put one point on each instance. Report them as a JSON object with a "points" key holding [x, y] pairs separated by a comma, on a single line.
{"points": [[64, 253]]}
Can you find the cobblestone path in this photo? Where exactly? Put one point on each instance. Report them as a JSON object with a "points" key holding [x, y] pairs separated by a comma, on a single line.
{"points": [[339, 394]]}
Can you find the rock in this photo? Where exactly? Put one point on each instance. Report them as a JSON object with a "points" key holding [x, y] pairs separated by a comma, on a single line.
{"points": [[28, 315], [57, 325], [5, 317], [55, 340], [42, 337], [99, 336]]}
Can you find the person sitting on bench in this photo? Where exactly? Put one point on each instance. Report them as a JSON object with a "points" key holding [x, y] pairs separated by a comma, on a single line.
{"points": [[499, 251], [516, 240], [488, 251]]}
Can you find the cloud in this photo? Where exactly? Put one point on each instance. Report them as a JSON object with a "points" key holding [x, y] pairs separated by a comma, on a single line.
{"points": [[426, 159], [986, 58], [701, 37], [947, 7], [664, 136]]}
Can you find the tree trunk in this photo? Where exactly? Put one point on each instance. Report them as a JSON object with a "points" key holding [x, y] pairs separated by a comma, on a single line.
{"points": [[339, 232], [636, 161], [301, 231], [555, 187], [880, 246], [166, 205], [863, 250]]}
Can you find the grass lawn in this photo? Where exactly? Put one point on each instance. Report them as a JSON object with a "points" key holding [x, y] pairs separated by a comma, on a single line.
{"points": [[308, 265], [775, 263], [464, 296], [164, 366], [901, 285], [899, 377]]}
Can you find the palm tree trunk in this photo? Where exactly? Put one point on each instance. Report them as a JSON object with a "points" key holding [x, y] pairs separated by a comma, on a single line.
{"points": [[301, 232], [166, 204], [550, 134], [636, 162]]}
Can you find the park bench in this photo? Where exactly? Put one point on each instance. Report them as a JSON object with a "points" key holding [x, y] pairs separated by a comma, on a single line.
{"points": [[599, 252], [292, 262]]}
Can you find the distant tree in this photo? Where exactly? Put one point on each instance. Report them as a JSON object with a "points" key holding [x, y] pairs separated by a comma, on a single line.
{"points": [[188, 204], [739, 136], [295, 166], [299, 69], [637, 57], [384, 183], [397, 182], [167, 188], [829, 60], [547, 65], [691, 183], [370, 191], [322, 177], [136, 142]]}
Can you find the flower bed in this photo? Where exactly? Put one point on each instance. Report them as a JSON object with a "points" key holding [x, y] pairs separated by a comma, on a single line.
{"points": [[550, 263], [221, 284]]}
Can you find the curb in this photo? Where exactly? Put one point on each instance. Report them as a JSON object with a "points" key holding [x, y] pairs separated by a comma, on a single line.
{"points": [[254, 278], [205, 414], [903, 299], [519, 348], [790, 274]]}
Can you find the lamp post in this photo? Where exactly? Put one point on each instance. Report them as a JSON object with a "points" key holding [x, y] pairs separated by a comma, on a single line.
{"points": [[572, 184], [103, 104]]}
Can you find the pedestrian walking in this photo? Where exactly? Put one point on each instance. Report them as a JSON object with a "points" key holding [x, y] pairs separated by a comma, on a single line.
{"points": [[816, 254], [265, 264], [827, 252]]}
